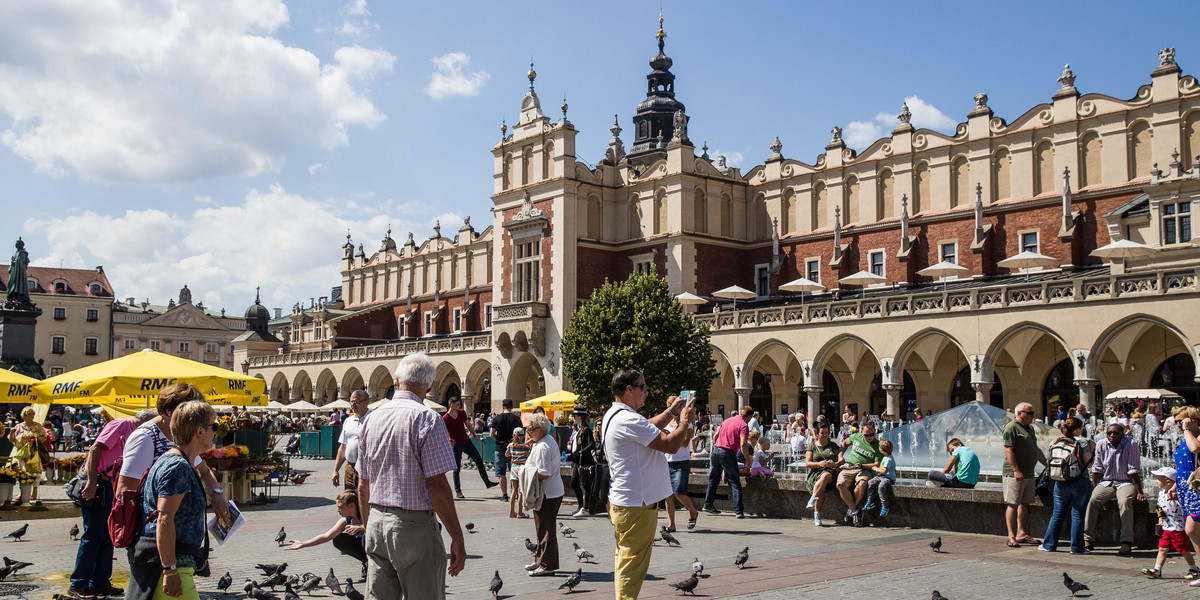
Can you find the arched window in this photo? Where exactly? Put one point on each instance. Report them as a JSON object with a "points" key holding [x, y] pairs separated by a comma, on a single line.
{"points": [[885, 196], [960, 182], [701, 211], [787, 205], [820, 206], [1089, 160], [1140, 157], [635, 217], [548, 161], [850, 200], [1001, 175], [595, 218], [1043, 168], [726, 215], [920, 188], [95, 289], [660, 212], [1191, 139], [527, 165], [508, 166]]}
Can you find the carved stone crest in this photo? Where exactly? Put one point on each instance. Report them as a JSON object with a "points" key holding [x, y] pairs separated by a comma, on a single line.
{"points": [[527, 210], [1067, 79], [680, 123], [905, 115], [1166, 57], [981, 100]]}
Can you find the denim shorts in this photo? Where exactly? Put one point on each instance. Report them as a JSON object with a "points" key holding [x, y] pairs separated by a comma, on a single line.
{"points": [[501, 463], [679, 476]]}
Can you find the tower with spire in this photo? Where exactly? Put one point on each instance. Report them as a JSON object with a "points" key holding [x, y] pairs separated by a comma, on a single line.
{"points": [[654, 123]]}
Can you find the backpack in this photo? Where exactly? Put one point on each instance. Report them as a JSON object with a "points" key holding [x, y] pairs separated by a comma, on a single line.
{"points": [[1064, 463], [125, 523]]}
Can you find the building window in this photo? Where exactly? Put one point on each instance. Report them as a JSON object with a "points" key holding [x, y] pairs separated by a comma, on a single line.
{"points": [[185, 347], [487, 311], [95, 289], [156, 345], [1177, 223], [93, 315], [58, 345], [401, 327], [812, 269], [877, 264], [60, 287], [762, 281], [950, 253], [210, 348], [527, 276], [90, 346], [1029, 241], [428, 324], [130, 345], [60, 314], [32, 285], [56, 371], [457, 320]]}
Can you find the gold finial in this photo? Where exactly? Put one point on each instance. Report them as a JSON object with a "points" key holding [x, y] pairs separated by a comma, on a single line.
{"points": [[503, 127], [661, 35], [531, 75], [564, 106]]}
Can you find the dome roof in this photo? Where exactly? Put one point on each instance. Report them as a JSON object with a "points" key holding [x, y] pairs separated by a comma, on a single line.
{"points": [[258, 311]]}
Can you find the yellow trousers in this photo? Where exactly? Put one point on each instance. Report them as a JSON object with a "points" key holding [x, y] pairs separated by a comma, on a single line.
{"points": [[186, 582], [634, 530]]}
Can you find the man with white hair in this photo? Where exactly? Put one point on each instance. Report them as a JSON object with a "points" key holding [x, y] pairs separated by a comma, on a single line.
{"points": [[1021, 456], [404, 453]]}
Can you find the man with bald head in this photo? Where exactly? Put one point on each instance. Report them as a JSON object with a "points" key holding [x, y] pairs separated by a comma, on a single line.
{"points": [[348, 451], [1021, 456]]}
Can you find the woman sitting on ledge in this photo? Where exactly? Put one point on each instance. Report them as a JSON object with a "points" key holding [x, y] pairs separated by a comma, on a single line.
{"points": [[961, 472], [822, 460]]}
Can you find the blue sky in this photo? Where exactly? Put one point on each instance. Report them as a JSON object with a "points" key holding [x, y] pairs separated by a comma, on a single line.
{"points": [[228, 144]]}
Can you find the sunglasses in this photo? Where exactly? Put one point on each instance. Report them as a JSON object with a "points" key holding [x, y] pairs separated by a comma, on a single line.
{"points": [[641, 387], [1026, 412], [1114, 433]]}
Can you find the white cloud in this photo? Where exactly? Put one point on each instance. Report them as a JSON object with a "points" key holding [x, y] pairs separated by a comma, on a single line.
{"points": [[356, 19], [448, 78], [203, 199], [312, 169], [287, 243], [860, 134], [171, 92]]}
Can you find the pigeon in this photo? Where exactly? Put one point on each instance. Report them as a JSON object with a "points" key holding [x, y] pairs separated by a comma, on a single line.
{"points": [[261, 594], [289, 593], [310, 584], [74, 532], [938, 596], [697, 566], [292, 579], [249, 587], [15, 565], [742, 557], [572, 581], [224, 583], [581, 554], [19, 533], [351, 593], [687, 586], [272, 569], [1073, 585], [280, 537], [668, 538], [470, 527], [565, 531], [936, 544], [333, 584], [275, 580], [497, 583], [5, 572], [531, 547]]}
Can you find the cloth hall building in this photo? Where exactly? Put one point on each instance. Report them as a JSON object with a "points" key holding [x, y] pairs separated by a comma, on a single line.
{"points": [[1069, 176]]}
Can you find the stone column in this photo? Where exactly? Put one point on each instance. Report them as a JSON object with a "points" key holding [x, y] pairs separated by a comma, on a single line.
{"points": [[983, 390], [743, 396], [1087, 392], [814, 402], [893, 398]]}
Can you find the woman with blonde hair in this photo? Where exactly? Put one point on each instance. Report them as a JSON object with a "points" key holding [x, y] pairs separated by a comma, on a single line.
{"points": [[28, 436]]}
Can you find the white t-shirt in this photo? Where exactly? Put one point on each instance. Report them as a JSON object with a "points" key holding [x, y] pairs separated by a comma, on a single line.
{"points": [[142, 448], [760, 459], [350, 428], [546, 458], [639, 475], [799, 444], [682, 454]]}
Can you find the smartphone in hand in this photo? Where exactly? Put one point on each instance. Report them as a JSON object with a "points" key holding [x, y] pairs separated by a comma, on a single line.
{"points": [[688, 396]]}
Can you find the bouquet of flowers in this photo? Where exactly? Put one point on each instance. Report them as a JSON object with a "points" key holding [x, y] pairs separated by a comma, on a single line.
{"points": [[8, 474], [224, 426], [72, 463], [23, 476]]}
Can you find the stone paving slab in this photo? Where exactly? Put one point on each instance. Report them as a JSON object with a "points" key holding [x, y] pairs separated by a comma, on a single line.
{"points": [[789, 558]]}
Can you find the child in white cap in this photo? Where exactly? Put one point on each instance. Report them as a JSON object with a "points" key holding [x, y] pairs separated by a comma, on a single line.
{"points": [[1170, 518]]}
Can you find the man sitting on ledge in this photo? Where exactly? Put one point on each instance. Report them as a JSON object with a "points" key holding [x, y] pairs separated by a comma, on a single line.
{"points": [[1115, 473], [859, 449]]}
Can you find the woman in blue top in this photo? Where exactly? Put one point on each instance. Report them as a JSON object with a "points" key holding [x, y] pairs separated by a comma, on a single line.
{"points": [[174, 490], [963, 469], [1188, 418]]}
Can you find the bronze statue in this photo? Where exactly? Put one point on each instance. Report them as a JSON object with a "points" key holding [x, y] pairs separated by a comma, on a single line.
{"points": [[18, 282]]}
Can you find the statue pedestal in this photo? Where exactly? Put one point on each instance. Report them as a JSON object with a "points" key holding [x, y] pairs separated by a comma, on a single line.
{"points": [[17, 325]]}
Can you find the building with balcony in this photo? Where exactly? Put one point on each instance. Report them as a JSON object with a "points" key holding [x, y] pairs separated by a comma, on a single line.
{"points": [[180, 328], [1061, 180], [74, 329]]}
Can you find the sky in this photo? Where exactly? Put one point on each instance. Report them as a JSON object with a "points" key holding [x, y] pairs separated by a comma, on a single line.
{"points": [[229, 144]]}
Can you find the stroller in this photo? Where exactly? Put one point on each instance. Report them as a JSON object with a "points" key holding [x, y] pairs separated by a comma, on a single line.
{"points": [[293, 445]]}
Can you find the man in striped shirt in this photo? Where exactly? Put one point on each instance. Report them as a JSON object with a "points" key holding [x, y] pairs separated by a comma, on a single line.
{"points": [[404, 454]]}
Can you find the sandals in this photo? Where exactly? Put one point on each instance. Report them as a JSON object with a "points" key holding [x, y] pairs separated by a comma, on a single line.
{"points": [[692, 522], [1027, 540], [1013, 543]]}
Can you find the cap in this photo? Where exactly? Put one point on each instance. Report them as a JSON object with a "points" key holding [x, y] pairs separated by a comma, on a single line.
{"points": [[506, 403], [581, 411], [519, 431], [1167, 472]]}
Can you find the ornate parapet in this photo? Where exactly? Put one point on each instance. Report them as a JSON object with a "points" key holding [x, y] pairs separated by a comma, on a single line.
{"points": [[440, 345], [520, 326]]}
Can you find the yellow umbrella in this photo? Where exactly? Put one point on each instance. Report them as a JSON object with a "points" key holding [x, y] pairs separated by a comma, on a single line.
{"points": [[557, 401], [15, 387], [136, 379]]}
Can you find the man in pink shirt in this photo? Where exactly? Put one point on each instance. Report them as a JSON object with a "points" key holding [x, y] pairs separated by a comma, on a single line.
{"points": [[93, 561], [731, 438]]}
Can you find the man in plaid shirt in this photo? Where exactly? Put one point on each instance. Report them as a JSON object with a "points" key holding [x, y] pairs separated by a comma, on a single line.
{"points": [[404, 453]]}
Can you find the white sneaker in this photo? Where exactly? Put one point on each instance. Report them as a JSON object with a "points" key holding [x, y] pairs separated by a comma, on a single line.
{"points": [[817, 520], [581, 513], [812, 501]]}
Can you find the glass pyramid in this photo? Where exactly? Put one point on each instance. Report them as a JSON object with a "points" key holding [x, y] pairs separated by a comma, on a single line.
{"points": [[921, 445]]}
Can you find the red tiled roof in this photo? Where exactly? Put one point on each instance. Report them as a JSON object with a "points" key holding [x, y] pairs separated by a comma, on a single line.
{"points": [[77, 280]]}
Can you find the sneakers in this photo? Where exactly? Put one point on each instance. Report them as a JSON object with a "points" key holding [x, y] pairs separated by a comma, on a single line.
{"points": [[1084, 551], [504, 497], [531, 567], [710, 509], [540, 572], [817, 520], [581, 513], [458, 494], [491, 484], [81, 594], [812, 501], [859, 519], [883, 511], [869, 506], [364, 570], [1126, 549], [1152, 573], [1044, 549], [741, 516], [1192, 574]]}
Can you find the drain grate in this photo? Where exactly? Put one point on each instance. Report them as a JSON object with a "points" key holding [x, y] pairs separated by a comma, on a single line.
{"points": [[16, 589]]}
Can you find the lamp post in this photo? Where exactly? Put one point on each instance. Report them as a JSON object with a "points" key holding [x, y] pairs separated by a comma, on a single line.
{"points": [[246, 367], [541, 383]]}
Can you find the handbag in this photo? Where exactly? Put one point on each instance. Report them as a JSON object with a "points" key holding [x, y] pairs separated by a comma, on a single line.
{"points": [[1044, 488], [24, 453], [75, 489], [125, 524]]}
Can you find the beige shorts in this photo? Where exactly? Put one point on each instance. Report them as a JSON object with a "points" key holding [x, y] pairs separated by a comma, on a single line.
{"points": [[1019, 492], [847, 477]]}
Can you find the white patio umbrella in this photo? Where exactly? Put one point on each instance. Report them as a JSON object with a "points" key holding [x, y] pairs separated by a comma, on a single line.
{"points": [[337, 404], [1124, 249], [863, 278], [735, 293], [944, 269], [1027, 260], [687, 298], [802, 285], [301, 405], [376, 404]]}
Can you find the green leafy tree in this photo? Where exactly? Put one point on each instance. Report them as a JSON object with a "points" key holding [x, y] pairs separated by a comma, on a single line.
{"points": [[636, 323]]}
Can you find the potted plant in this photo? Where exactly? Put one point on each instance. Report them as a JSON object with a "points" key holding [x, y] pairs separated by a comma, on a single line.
{"points": [[8, 477]]}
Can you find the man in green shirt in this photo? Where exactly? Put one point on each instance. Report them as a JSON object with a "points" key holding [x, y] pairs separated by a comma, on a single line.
{"points": [[1021, 454], [859, 449]]}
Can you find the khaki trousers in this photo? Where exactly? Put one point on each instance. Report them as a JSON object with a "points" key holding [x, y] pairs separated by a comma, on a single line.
{"points": [[1101, 494], [634, 529], [407, 559]]}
